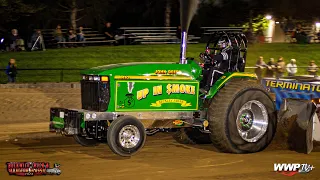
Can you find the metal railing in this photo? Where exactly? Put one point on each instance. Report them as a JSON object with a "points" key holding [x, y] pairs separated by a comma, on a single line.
{"points": [[210, 30], [44, 75]]}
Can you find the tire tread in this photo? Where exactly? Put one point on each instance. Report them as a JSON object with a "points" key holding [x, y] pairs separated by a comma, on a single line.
{"points": [[218, 113]]}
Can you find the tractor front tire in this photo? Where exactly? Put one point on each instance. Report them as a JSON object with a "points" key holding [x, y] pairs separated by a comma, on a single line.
{"points": [[242, 118], [126, 136], [85, 142], [191, 136]]}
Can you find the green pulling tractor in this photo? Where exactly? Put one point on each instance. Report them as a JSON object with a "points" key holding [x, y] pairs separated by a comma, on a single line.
{"points": [[207, 101]]}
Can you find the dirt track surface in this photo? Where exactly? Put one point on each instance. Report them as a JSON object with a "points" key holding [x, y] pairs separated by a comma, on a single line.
{"points": [[25, 105], [161, 158], [25, 116]]}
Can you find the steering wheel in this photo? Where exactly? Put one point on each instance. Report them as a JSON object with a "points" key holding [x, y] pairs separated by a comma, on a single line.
{"points": [[207, 59]]}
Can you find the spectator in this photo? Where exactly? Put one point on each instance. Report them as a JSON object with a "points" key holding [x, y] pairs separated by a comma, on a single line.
{"points": [[313, 68], [292, 68], [280, 68], [108, 31], [58, 36], [72, 37], [259, 67], [81, 35], [271, 65], [17, 43], [11, 71], [300, 35]]}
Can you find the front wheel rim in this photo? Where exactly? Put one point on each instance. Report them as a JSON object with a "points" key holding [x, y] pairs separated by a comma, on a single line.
{"points": [[252, 121], [129, 136]]}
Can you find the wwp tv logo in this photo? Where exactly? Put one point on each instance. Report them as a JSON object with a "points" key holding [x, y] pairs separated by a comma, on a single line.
{"points": [[292, 169]]}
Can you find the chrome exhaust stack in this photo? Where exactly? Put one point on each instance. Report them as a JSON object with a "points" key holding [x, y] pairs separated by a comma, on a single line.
{"points": [[183, 47]]}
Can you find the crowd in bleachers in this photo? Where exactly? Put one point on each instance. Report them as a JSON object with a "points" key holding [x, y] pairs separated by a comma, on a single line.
{"points": [[299, 33], [72, 36], [280, 69]]}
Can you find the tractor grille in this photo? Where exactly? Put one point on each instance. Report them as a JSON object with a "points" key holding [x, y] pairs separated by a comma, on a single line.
{"points": [[95, 95]]}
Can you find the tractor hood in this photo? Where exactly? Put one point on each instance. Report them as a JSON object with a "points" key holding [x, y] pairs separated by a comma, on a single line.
{"points": [[192, 69], [99, 69]]}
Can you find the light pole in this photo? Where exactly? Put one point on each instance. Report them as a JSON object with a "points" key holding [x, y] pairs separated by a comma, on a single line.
{"points": [[271, 27]]}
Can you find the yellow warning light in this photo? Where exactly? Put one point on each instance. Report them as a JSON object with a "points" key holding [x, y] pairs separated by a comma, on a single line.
{"points": [[104, 78], [178, 122], [205, 123]]}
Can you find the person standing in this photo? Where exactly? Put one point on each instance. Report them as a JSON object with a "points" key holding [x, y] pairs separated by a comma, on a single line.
{"points": [[281, 68], [271, 65], [11, 71], [292, 68], [260, 65], [312, 68]]}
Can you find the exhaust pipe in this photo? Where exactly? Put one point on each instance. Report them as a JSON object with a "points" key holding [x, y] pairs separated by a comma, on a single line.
{"points": [[183, 47]]}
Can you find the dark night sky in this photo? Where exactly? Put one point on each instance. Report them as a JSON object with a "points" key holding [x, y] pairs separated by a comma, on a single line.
{"points": [[151, 12]]}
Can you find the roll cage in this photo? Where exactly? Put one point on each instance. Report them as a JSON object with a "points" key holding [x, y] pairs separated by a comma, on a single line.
{"points": [[236, 40]]}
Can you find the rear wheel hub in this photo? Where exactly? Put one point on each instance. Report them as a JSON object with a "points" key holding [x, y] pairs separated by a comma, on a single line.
{"points": [[252, 121]]}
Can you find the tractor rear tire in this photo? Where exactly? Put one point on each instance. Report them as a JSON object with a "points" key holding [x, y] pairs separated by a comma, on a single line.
{"points": [[191, 136], [242, 109], [85, 142]]}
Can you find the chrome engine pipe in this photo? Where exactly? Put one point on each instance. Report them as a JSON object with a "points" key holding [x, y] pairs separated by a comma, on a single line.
{"points": [[183, 47]]}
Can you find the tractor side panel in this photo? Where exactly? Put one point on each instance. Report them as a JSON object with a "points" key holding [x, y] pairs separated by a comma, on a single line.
{"points": [[135, 95], [225, 79]]}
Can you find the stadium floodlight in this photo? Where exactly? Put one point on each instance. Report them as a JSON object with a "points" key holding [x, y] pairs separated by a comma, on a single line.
{"points": [[268, 17]]}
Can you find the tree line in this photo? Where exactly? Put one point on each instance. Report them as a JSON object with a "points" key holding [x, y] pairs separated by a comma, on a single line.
{"points": [[93, 13]]}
